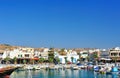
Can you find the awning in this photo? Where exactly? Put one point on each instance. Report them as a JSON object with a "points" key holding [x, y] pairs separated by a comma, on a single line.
{"points": [[35, 58]]}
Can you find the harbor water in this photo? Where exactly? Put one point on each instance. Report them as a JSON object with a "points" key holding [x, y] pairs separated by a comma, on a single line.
{"points": [[60, 74]]}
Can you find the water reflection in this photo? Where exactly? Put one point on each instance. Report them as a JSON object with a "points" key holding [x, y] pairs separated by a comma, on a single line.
{"points": [[60, 74], [97, 75]]}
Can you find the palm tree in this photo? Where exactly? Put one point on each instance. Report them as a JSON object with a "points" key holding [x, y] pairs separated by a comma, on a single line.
{"points": [[78, 60], [95, 56], [15, 60], [24, 61], [7, 59], [72, 59], [115, 59], [50, 60], [65, 59], [58, 60], [41, 60], [88, 58], [78, 53], [51, 54]]}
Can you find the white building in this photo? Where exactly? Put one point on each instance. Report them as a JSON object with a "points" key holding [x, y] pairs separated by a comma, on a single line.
{"points": [[19, 53], [69, 56], [73, 54], [44, 53], [84, 54], [2, 54], [114, 53]]}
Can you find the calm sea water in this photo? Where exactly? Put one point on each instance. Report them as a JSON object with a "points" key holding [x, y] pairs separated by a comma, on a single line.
{"points": [[60, 74]]}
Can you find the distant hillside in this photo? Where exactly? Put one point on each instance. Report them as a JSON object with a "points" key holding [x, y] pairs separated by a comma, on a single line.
{"points": [[7, 47]]}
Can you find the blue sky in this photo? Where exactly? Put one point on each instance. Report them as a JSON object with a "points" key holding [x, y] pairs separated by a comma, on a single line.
{"points": [[60, 23]]}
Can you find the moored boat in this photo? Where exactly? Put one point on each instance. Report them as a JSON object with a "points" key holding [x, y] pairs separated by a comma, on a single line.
{"points": [[6, 71], [76, 68], [96, 68]]}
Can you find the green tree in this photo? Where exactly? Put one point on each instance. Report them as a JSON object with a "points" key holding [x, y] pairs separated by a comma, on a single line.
{"points": [[78, 60], [95, 56], [7, 59], [24, 61], [115, 59], [79, 54], [51, 55], [41, 60], [15, 60], [57, 59], [65, 59], [72, 59], [50, 60], [88, 58]]}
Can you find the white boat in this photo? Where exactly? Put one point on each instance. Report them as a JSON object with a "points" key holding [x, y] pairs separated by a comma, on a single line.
{"points": [[37, 67], [76, 68]]}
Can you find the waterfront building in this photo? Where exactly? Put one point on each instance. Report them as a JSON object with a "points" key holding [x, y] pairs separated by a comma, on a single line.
{"points": [[84, 55], [104, 55], [26, 55], [62, 59], [61, 54], [114, 54], [5, 54], [1, 54], [94, 55], [72, 56], [44, 53], [21, 54], [67, 56]]}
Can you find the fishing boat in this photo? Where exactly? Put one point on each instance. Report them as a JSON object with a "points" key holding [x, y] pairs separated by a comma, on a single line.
{"points": [[76, 68], [112, 70], [96, 68], [6, 71]]}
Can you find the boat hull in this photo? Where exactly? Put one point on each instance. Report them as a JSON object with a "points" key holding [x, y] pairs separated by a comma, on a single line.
{"points": [[7, 72]]}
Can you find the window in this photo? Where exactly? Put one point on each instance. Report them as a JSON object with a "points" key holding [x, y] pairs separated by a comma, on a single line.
{"points": [[114, 54], [1, 54], [26, 55], [19, 56]]}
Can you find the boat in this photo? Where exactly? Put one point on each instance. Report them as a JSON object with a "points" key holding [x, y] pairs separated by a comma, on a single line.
{"points": [[112, 70], [108, 70], [76, 68], [37, 68], [6, 71], [96, 68], [119, 73], [81, 66], [51, 68]]}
